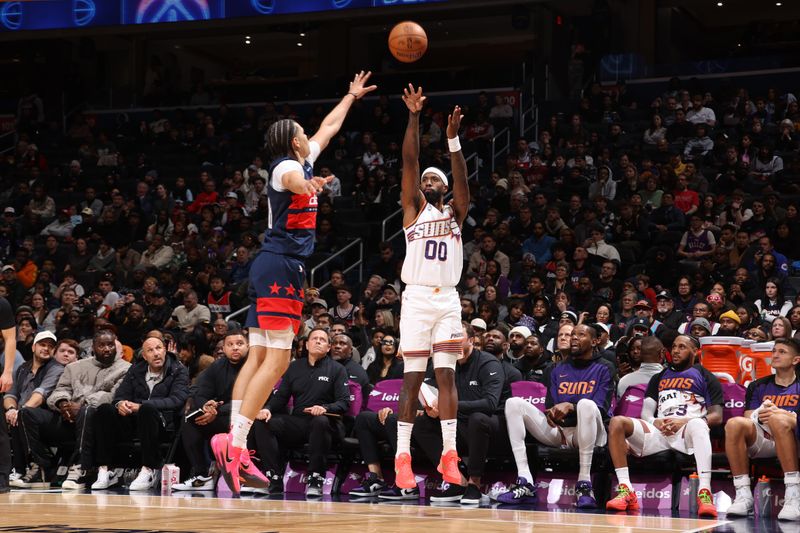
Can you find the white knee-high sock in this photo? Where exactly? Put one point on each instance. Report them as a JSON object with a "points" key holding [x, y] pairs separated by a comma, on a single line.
{"points": [[696, 434], [404, 437], [515, 421], [586, 436]]}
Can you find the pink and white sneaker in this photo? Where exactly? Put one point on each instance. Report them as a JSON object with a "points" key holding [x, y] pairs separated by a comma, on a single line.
{"points": [[250, 475]]}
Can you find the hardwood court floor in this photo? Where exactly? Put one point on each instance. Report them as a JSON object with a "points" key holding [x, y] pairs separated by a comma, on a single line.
{"points": [[106, 513]]}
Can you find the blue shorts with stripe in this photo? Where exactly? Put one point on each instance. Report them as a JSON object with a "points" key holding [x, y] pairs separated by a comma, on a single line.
{"points": [[276, 292]]}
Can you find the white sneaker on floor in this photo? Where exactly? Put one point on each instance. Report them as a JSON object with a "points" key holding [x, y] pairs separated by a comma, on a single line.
{"points": [[76, 478], [14, 476], [196, 483], [791, 507], [146, 480], [105, 479], [741, 506]]}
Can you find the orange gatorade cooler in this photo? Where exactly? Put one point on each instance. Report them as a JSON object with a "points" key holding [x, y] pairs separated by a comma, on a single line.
{"points": [[721, 355], [761, 352]]}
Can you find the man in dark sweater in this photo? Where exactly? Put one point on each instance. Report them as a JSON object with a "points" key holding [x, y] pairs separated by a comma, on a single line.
{"points": [[666, 312], [318, 387], [152, 393], [211, 393], [534, 361], [342, 351], [494, 342], [479, 381]]}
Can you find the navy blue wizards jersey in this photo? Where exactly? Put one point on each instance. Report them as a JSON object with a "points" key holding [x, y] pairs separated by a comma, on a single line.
{"points": [[684, 394], [573, 380], [766, 389], [292, 221]]}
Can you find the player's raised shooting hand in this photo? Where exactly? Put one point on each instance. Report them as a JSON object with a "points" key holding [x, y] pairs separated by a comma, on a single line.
{"points": [[454, 123], [357, 88], [413, 99]]}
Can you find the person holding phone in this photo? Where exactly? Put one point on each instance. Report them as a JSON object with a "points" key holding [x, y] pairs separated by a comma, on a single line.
{"points": [[209, 410]]}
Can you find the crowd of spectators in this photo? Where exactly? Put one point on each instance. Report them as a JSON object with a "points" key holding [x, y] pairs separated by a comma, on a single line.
{"points": [[673, 215]]}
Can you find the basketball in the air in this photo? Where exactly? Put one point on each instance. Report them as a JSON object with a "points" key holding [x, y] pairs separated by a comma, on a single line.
{"points": [[408, 41]]}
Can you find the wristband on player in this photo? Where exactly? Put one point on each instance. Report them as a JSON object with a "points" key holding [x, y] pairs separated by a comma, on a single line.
{"points": [[454, 144]]}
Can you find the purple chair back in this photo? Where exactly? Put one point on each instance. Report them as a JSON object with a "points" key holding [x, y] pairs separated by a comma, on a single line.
{"points": [[385, 394], [356, 398], [530, 391], [630, 403], [734, 395]]}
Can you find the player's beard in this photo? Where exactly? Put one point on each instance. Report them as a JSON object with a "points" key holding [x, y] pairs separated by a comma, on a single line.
{"points": [[433, 197], [683, 366]]}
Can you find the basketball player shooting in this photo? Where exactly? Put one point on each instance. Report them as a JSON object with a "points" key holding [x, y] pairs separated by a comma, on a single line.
{"points": [[430, 316]]}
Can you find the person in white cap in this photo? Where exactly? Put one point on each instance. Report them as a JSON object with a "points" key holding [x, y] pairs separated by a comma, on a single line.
{"points": [[33, 383], [516, 342], [431, 313], [479, 328]]}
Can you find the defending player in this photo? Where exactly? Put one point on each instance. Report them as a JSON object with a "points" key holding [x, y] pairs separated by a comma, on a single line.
{"points": [[431, 312], [277, 277], [767, 429], [680, 404]]}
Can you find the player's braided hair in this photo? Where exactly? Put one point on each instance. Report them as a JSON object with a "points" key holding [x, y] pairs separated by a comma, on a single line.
{"points": [[279, 138]]}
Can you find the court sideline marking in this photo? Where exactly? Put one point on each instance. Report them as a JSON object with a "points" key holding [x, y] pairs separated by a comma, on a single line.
{"points": [[535, 520]]}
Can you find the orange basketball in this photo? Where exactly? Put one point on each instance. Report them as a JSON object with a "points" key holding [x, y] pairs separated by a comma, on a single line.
{"points": [[408, 41]]}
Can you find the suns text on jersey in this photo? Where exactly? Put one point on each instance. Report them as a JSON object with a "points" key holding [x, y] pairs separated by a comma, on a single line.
{"points": [[431, 229]]}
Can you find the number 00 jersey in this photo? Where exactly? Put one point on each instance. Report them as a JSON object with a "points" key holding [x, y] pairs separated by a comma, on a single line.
{"points": [[434, 252], [685, 394]]}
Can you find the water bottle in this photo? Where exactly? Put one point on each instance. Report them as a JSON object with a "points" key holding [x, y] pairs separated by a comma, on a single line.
{"points": [[694, 486], [166, 480], [763, 498]]}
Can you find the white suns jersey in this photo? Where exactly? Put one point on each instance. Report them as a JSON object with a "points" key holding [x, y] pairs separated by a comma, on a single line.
{"points": [[434, 251]]}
